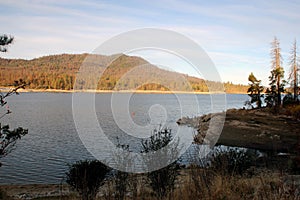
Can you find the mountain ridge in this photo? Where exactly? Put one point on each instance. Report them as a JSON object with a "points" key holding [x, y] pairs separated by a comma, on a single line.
{"points": [[59, 72]]}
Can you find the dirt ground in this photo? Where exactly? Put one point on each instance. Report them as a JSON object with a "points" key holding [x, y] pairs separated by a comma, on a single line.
{"points": [[255, 129], [35, 190]]}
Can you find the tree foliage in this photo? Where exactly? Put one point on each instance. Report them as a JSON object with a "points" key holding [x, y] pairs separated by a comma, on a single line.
{"points": [[162, 181], [9, 137], [5, 40], [121, 178], [86, 177], [273, 93], [59, 72], [277, 74], [255, 90], [232, 161]]}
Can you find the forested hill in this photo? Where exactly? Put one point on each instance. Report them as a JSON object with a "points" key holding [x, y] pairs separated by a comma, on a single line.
{"points": [[59, 72]]}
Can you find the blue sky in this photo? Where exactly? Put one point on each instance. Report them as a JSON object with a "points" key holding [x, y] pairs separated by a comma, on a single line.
{"points": [[235, 34]]}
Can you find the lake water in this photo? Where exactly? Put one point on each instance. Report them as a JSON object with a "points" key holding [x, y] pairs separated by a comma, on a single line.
{"points": [[42, 156]]}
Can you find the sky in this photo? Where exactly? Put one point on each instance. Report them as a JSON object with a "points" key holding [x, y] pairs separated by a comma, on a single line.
{"points": [[235, 34]]}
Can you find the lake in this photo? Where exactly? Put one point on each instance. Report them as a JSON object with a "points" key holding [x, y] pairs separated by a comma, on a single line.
{"points": [[43, 155]]}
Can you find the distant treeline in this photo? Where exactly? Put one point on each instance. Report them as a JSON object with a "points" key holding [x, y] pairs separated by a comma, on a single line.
{"points": [[59, 72]]}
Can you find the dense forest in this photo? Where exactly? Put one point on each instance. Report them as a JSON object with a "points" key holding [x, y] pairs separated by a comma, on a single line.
{"points": [[125, 72]]}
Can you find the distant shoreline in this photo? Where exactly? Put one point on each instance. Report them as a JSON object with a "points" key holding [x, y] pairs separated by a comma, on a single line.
{"points": [[6, 89]]}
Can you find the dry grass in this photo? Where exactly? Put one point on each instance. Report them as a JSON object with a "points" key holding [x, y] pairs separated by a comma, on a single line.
{"points": [[198, 183], [265, 185]]}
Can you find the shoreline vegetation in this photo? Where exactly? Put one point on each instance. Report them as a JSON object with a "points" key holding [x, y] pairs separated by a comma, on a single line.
{"points": [[263, 184], [6, 89], [259, 155], [258, 129], [267, 167]]}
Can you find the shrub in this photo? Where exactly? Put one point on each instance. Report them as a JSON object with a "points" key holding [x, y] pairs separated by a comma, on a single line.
{"points": [[120, 177], [161, 181], [296, 111], [86, 177], [4, 196], [288, 99], [232, 160]]}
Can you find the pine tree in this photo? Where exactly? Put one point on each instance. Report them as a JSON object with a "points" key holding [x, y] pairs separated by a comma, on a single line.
{"points": [[8, 137], [4, 42], [255, 90], [277, 73], [294, 68], [272, 99]]}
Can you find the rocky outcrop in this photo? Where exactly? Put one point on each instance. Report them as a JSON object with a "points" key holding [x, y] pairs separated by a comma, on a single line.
{"points": [[257, 129]]}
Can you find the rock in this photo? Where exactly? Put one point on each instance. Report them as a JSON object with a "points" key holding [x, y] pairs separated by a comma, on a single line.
{"points": [[180, 121], [23, 196], [277, 137], [206, 118], [261, 135], [258, 129]]}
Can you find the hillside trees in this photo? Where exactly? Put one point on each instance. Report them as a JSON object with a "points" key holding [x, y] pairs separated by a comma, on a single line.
{"points": [[59, 72], [49, 72]]}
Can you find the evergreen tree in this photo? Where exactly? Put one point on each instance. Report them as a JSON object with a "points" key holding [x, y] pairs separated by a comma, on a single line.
{"points": [[277, 73], [255, 90], [294, 68], [4, 42], [272, 99], [8, 138]]}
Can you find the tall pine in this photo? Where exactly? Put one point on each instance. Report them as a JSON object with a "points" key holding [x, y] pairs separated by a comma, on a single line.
{"points": [[294, 68], [277, 74]]}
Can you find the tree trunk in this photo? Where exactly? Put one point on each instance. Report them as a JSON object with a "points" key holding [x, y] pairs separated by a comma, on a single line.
{"points": [[278, 91], [258, 100], [295, 84]]}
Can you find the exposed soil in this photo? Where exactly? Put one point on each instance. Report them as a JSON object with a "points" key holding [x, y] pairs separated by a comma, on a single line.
{"points": [[31, 191], [256, 129]]}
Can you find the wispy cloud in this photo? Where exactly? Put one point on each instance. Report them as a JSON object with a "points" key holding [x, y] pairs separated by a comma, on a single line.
{"points": [[236, 34]]}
